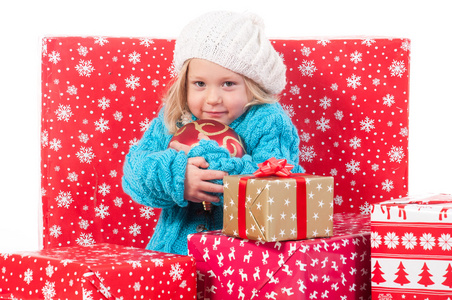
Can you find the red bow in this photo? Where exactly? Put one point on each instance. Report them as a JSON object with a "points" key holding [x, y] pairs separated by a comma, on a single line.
{"points": [[273, 166]]}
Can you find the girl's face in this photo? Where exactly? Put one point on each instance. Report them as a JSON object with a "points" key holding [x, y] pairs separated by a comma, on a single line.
{"points": [[214, 92]]}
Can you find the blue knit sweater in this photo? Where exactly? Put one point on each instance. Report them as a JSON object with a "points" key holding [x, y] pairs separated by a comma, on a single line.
{"points": [[154, 175]]}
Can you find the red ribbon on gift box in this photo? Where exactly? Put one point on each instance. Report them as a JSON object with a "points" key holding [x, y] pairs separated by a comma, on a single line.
{"points": [[280, 168]]}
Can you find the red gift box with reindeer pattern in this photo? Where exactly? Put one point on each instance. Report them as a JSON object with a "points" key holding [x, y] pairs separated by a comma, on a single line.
{"points": [[411, 248], [322, 268]]}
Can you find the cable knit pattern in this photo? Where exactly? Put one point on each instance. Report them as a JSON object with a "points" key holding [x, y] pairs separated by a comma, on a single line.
{"points": [[154, 175]]}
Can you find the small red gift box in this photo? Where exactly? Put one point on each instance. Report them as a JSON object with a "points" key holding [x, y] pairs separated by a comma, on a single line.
{"points": [[277, 205], [412, 248], [101, 271], [323, 268]]}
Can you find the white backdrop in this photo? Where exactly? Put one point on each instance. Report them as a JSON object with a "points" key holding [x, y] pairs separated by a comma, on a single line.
{"points": [[22, 25]]}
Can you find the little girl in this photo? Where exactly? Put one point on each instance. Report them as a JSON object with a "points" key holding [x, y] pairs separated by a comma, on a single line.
{"points": [[227, 71]]}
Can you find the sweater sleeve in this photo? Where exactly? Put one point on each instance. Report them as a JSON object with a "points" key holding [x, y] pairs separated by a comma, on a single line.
{"points": [[154, 175]]}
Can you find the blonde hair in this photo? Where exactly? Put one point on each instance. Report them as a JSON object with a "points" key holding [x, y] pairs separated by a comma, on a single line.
{"points": [[177, 113]]}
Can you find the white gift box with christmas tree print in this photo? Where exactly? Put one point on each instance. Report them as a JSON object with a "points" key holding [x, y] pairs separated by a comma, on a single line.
{"points": [[411, 248]]}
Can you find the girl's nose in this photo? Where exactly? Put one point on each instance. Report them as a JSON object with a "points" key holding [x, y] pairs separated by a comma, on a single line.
{"points": [[213, 97]]}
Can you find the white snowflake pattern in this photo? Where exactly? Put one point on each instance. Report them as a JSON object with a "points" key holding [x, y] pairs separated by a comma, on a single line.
{"points": [[63, 112], [387, 185], [135, 229], [289, 110], [305, 51], [406, 45], [294, 90], [356, 57], [323, 42], [55, 231], [71, 90], [144, 125], [112, 87], [83, 138], [427, 241], [82, 51], [375, 240], [404, 131], [64, 199], [50, 270], [338, 200], [54, 57], [305, 137], [87, 295], [100, 40], [307, 68], [388, 100], [323, 124], [339, 115], [158, 262], [84, 68], [334, 87], [146, 42], [118, 201], [353, 167], [409, 240], [44, 138], [354, 81], [132, 82], [367, 124], [172, 71], [365, 209], [355, 142], [104, 189], [85, 239], [48, 291], [176, 272], [307, 153], [445, 241], [155, 82], [104, 103], [134, 263], [136, 286], [118, 116], [147, 212], [102, 211], [134, 57], [325, 102], [28, 276], [102, 125], [391, 240], [397, 68], [85, 155], [368, 42], [55, 144], [396, 154], [84, 224]]}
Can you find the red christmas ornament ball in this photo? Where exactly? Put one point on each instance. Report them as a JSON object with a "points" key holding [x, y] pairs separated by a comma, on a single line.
{"points": [[224, 135]]}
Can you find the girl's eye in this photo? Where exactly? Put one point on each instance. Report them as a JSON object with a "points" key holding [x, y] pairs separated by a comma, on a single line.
{"points": [[200, 84], [229, 84]]}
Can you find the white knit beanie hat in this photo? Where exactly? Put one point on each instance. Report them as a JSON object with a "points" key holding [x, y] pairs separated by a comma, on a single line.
{"points": [[236, 42]]}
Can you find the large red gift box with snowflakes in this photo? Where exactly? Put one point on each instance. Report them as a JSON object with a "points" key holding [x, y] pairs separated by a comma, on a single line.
{"points": [[322, 268], [98, 272], [411, 247], [348, 98]]}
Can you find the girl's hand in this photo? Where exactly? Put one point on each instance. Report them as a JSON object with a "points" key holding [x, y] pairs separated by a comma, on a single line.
{"points": [[176, 145], [197, 185]]}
